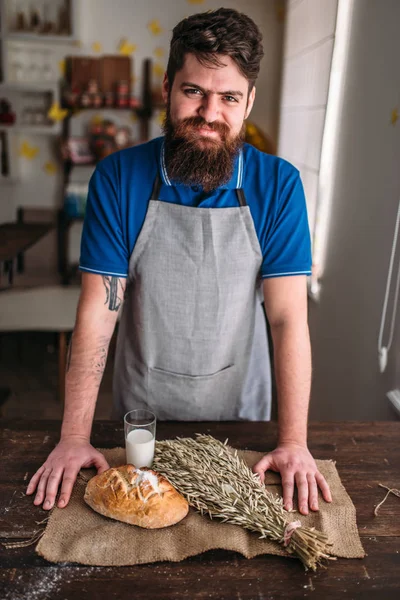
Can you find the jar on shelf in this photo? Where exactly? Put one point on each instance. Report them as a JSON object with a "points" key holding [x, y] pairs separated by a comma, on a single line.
{"points": [[21, 21], [46, 66], [18, 64], [109, 99], [49, 18], [134, 102], [71, 97], [34, 19], [85, 101], [109, 129], [64, 26], [92, 87], [33, 67], [122, 88], [97, 100], [123, 101]]}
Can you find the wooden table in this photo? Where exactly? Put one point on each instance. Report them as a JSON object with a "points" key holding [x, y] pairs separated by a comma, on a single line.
{"points": [[365, 454], [15, 238]]}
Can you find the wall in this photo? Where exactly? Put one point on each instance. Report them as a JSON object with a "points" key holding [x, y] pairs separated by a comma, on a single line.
{"points": [[107, 23], [308, 47], [345, 323]]}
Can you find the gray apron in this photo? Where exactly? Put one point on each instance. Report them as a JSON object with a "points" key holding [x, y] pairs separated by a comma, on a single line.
{"points": [[192, 342]]}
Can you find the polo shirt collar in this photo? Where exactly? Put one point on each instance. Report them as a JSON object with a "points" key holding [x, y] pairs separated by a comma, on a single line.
{"points": [[235, 182]]}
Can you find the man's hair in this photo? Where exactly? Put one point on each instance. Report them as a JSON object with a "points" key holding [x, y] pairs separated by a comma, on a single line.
{"points": [[214, 33]]}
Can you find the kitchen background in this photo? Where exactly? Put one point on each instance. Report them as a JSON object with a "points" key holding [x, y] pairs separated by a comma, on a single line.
{"points": [[328, 100]]}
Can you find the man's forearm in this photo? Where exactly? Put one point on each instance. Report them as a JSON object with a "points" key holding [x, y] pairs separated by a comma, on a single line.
{"points": [[86, 361], [100, 301], [292, 360]]}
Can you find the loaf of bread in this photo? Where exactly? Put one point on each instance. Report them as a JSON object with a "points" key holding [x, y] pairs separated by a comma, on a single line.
{"points": [[137, 496]]}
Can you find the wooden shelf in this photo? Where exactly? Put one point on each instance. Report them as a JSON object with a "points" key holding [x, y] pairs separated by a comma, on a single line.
{"points": [[144, 113], [72, 164], [8, 180], [16, 90], [28, 86], [77, 109], [32, 129], [40, 38]]}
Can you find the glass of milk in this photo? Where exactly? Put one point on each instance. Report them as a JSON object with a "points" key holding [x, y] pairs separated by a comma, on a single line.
{"points": [[140, 437]]}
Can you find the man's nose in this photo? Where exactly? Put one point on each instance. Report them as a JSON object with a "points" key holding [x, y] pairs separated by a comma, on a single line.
{"points": [[209, 109]]}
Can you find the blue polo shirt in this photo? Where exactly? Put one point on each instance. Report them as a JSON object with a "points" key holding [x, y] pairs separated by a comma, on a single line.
{"points": [[121, 186]]}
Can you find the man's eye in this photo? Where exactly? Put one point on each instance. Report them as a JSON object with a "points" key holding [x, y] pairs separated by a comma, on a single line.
{"points": [[230, 98], [192, 92]]}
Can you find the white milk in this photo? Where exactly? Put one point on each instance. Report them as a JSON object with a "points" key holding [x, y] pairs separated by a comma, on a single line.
{"points": [[140, 448]]}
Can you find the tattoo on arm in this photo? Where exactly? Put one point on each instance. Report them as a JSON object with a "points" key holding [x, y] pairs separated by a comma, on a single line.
{"points": [[114, 291], [99, 362]]}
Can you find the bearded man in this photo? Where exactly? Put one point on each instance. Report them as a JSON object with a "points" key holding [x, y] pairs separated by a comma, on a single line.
{"points": [[189, 232]]}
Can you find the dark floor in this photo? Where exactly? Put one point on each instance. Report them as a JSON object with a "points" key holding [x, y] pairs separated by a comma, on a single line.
{"points": [[29, 370]]}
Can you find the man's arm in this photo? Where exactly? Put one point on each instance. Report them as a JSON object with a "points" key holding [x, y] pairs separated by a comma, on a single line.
{"points": [[100, 300], [97, 314], [286, 307]]}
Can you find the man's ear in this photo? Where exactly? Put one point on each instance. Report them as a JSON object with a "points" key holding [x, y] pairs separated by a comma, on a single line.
{"points": [[165, 88], [250, 102]]}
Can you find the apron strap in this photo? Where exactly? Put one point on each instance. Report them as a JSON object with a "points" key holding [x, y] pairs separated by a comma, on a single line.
{"points": [[156, 188], [241, 197]]}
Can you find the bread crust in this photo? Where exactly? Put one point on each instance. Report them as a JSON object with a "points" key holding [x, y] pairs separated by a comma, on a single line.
{"points": [[140, 497]]}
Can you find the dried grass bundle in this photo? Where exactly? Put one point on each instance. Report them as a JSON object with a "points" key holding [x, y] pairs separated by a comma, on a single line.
{"points": [[216, 481]]}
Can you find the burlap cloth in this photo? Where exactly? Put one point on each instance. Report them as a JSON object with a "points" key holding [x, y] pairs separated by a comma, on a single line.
{"points": [[79, 534]]}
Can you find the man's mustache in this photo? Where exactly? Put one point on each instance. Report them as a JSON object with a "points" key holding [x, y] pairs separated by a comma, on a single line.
{"points": [[199, 122]]}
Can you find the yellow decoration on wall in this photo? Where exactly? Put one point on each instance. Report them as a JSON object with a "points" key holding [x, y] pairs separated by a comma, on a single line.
{"points": [[133, 117], [28, 151], [195, 1], [161, 116], [159, 52], [96, 120], [125, 48], [97, 47], [50, 167], [61, 67], [394, 116], [257, 138], [56, 113], [158, 69], [154, 27]]}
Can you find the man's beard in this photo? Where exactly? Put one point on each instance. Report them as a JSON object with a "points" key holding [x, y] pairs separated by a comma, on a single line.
{"points": [[193, 159]]}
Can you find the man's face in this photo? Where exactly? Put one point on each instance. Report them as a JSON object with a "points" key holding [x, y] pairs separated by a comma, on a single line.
{"points": [[203, 127], [219, 96]]}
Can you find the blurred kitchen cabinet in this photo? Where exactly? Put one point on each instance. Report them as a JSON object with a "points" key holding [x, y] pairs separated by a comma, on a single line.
{"points": [[29, 73]]}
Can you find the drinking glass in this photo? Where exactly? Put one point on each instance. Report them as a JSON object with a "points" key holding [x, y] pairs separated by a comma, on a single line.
{"points": [[32, 70], [140, 437], [17, 65]]}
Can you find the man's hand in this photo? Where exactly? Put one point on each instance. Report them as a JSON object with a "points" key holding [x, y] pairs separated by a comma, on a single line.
{"points": [[297, 467], [63, 465]]}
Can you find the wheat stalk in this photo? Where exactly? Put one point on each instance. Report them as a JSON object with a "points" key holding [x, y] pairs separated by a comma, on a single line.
{"points": [[217, 482]]}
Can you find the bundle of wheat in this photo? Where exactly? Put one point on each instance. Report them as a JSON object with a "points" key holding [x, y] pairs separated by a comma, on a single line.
{"points": [[216, 481]]}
